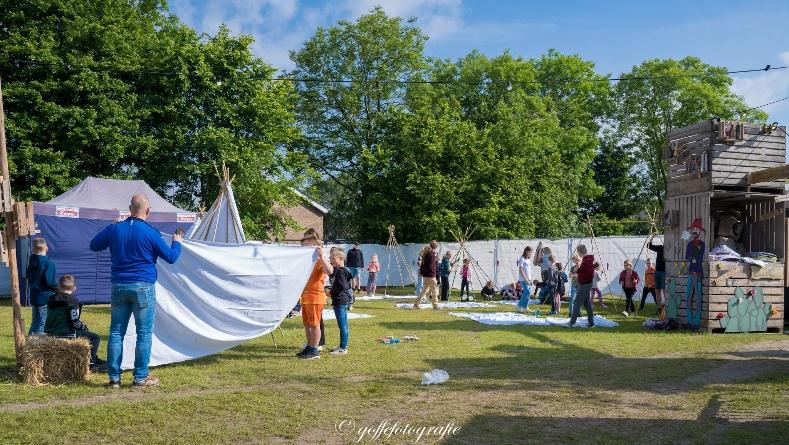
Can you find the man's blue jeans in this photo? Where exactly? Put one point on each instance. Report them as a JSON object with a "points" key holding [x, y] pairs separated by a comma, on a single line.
{"points": [[38, 321], [523, 302], [341, 314], [138, 299]]}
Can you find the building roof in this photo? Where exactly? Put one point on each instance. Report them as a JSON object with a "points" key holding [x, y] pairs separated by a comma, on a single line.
{"points": [[309, 201]]}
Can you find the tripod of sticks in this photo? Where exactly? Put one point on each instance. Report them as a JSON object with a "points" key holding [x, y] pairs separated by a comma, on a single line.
{"points": [[463, 252], [393, 248]]}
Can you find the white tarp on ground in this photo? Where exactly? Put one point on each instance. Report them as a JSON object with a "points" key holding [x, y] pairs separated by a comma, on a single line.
{"points": [[328, 314], [217, 296], [496, 259], [514, 318]]}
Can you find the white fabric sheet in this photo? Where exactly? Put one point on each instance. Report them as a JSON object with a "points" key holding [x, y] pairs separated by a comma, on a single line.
{"points": [[217, 296], [513, 318], [328, 314]]}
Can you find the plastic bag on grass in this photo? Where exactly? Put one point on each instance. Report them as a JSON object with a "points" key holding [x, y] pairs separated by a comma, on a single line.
{"points": [[434, 377]]}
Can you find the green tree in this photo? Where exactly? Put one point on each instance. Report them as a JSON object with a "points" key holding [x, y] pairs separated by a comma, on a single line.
{"points": [[119, 88], [342, 121], [663, 94]]}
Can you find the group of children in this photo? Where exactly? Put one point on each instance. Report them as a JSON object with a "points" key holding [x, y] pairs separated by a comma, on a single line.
{"points": [[552, 286], [55, 309]]}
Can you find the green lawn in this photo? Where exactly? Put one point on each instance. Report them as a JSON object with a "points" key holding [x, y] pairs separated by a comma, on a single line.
{"points": [[507, 385]]}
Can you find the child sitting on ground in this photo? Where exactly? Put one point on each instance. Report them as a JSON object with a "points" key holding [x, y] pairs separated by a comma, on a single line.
{"points": [[596, 285], [465, 275], [510, 291], [42, 284], [63, 312], [341, 294], [628, 279], [488, 291], [372, 274]]}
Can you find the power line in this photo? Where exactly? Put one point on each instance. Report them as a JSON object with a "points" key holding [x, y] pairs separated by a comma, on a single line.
{"points": [[75, 67]]}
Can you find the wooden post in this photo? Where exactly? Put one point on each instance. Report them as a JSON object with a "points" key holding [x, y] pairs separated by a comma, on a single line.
{"points": [[9, 236]]}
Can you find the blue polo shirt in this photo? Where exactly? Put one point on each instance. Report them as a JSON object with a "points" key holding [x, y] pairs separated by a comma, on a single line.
{"points": [[134, 247]]}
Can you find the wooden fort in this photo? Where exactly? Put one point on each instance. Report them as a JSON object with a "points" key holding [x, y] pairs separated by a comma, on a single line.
{"points": [[729, 177]]}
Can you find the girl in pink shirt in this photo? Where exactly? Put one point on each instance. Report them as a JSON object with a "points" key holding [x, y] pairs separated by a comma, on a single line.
{"points": [[373, 268], [465, 274]]}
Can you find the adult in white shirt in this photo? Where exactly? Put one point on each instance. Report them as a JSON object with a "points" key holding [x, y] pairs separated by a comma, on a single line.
{"points": [[526, 279]]}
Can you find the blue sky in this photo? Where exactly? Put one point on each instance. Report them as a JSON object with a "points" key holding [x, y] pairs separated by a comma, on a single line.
{"points": [[614, 34]]}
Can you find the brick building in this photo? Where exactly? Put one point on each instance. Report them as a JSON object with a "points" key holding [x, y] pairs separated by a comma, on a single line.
{"points": [[308, 214]]}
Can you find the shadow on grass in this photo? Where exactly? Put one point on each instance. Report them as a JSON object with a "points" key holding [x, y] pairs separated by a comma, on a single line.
{"points": [[708, 427]]}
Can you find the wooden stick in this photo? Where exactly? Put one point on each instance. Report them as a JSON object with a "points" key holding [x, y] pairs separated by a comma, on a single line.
{"points": [[10, 242]]}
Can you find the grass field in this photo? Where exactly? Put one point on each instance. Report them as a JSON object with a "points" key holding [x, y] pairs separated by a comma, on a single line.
{"points": [[507, 385]]}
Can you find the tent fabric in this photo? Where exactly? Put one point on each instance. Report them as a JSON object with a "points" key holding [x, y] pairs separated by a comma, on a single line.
{"points": [[217, 296], [111, 194], [71, 220], [221, 224], [447, 305], [514, 318]]}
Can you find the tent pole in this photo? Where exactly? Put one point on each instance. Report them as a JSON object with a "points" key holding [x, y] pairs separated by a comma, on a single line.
{"points": [[10, 242]]}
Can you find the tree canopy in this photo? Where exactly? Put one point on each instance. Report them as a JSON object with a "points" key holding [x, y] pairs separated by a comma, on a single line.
{"points": [[378, 131]]}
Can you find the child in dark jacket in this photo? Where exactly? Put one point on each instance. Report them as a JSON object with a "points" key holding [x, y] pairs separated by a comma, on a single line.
{"points": [[42, 283], [488, 291], [341, 294], [629, 280], [63, 318], [585, 276]]}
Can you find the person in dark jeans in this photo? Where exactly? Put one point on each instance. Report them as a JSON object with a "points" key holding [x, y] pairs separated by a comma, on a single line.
{"points": [[355, 263], [444, 269], [63, 318], [585, 274], [341, 294], [660, 273]]}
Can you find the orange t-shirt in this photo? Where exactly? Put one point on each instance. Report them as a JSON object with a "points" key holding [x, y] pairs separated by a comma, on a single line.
{"points": [[649, 277], [313, 292]]}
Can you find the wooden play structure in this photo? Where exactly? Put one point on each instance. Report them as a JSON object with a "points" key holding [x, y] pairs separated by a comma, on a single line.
{"points": [[725, 186]]}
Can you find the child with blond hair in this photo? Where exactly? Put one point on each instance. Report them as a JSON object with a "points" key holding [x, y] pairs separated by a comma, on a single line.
{"points": [[372, 274], [596, 285], [341, 294], [42, 284]]}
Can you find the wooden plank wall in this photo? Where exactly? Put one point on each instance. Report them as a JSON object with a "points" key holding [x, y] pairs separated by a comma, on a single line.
{"points": [[694, 139], [731, 163], [764, 235], [716, 296], [686, 207]]}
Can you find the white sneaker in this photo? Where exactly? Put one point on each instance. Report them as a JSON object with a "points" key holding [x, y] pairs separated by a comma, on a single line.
{"points": [[338, 351], [625, 313]]}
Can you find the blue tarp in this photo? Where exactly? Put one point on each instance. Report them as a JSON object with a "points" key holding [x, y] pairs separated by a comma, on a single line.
{"points": [[69, 228]]}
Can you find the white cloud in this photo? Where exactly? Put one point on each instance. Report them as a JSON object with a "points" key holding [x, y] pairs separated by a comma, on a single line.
{"points": [[766, 87]]}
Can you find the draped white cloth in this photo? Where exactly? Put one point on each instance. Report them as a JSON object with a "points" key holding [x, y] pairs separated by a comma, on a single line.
{"points": [[217, 296]]}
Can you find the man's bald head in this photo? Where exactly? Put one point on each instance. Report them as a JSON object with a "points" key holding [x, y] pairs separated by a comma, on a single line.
{"points": [[139, 207]]}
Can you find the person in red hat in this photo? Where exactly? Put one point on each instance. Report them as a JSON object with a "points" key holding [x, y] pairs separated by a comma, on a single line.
{"points": [[694, 255]]}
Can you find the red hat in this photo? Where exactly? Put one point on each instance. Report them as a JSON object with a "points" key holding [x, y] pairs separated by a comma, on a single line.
{"points": [[696, 224]]}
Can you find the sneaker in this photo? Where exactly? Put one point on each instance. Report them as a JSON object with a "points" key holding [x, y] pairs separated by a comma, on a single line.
{"points": [[146, 382], [416, 306], [114, 384], [625, 313], [570, 325], [320, 348], [338, 351], [98, 365], [311, 355], [302, 352], [350, 307], [602, 306], [590, 325]]}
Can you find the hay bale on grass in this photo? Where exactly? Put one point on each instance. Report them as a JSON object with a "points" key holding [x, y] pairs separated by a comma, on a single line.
{"points": [[55, 360]]}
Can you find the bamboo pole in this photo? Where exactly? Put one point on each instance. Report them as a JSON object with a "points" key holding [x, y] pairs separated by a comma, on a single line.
{"points": [[10, 242]]}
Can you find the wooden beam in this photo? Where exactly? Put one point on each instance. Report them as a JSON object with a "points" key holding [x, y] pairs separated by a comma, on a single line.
{"points": [[768, 174], [10, 244]]}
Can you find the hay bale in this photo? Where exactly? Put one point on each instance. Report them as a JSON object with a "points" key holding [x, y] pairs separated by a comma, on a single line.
{"points": [[55, 360]]}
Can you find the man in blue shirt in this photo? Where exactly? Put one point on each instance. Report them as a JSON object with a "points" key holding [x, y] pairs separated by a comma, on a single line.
{"points": [[134, 247]]}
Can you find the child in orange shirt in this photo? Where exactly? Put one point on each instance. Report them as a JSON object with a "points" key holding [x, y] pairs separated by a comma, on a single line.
{"points": [[313, 297], [649, 284]]}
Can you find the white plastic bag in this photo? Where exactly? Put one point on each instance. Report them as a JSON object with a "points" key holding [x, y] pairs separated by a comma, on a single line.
{"points": [[434, 377]]}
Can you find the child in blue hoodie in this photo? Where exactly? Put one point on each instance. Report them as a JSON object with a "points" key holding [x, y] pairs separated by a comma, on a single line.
{"points": [[42, 284]]}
